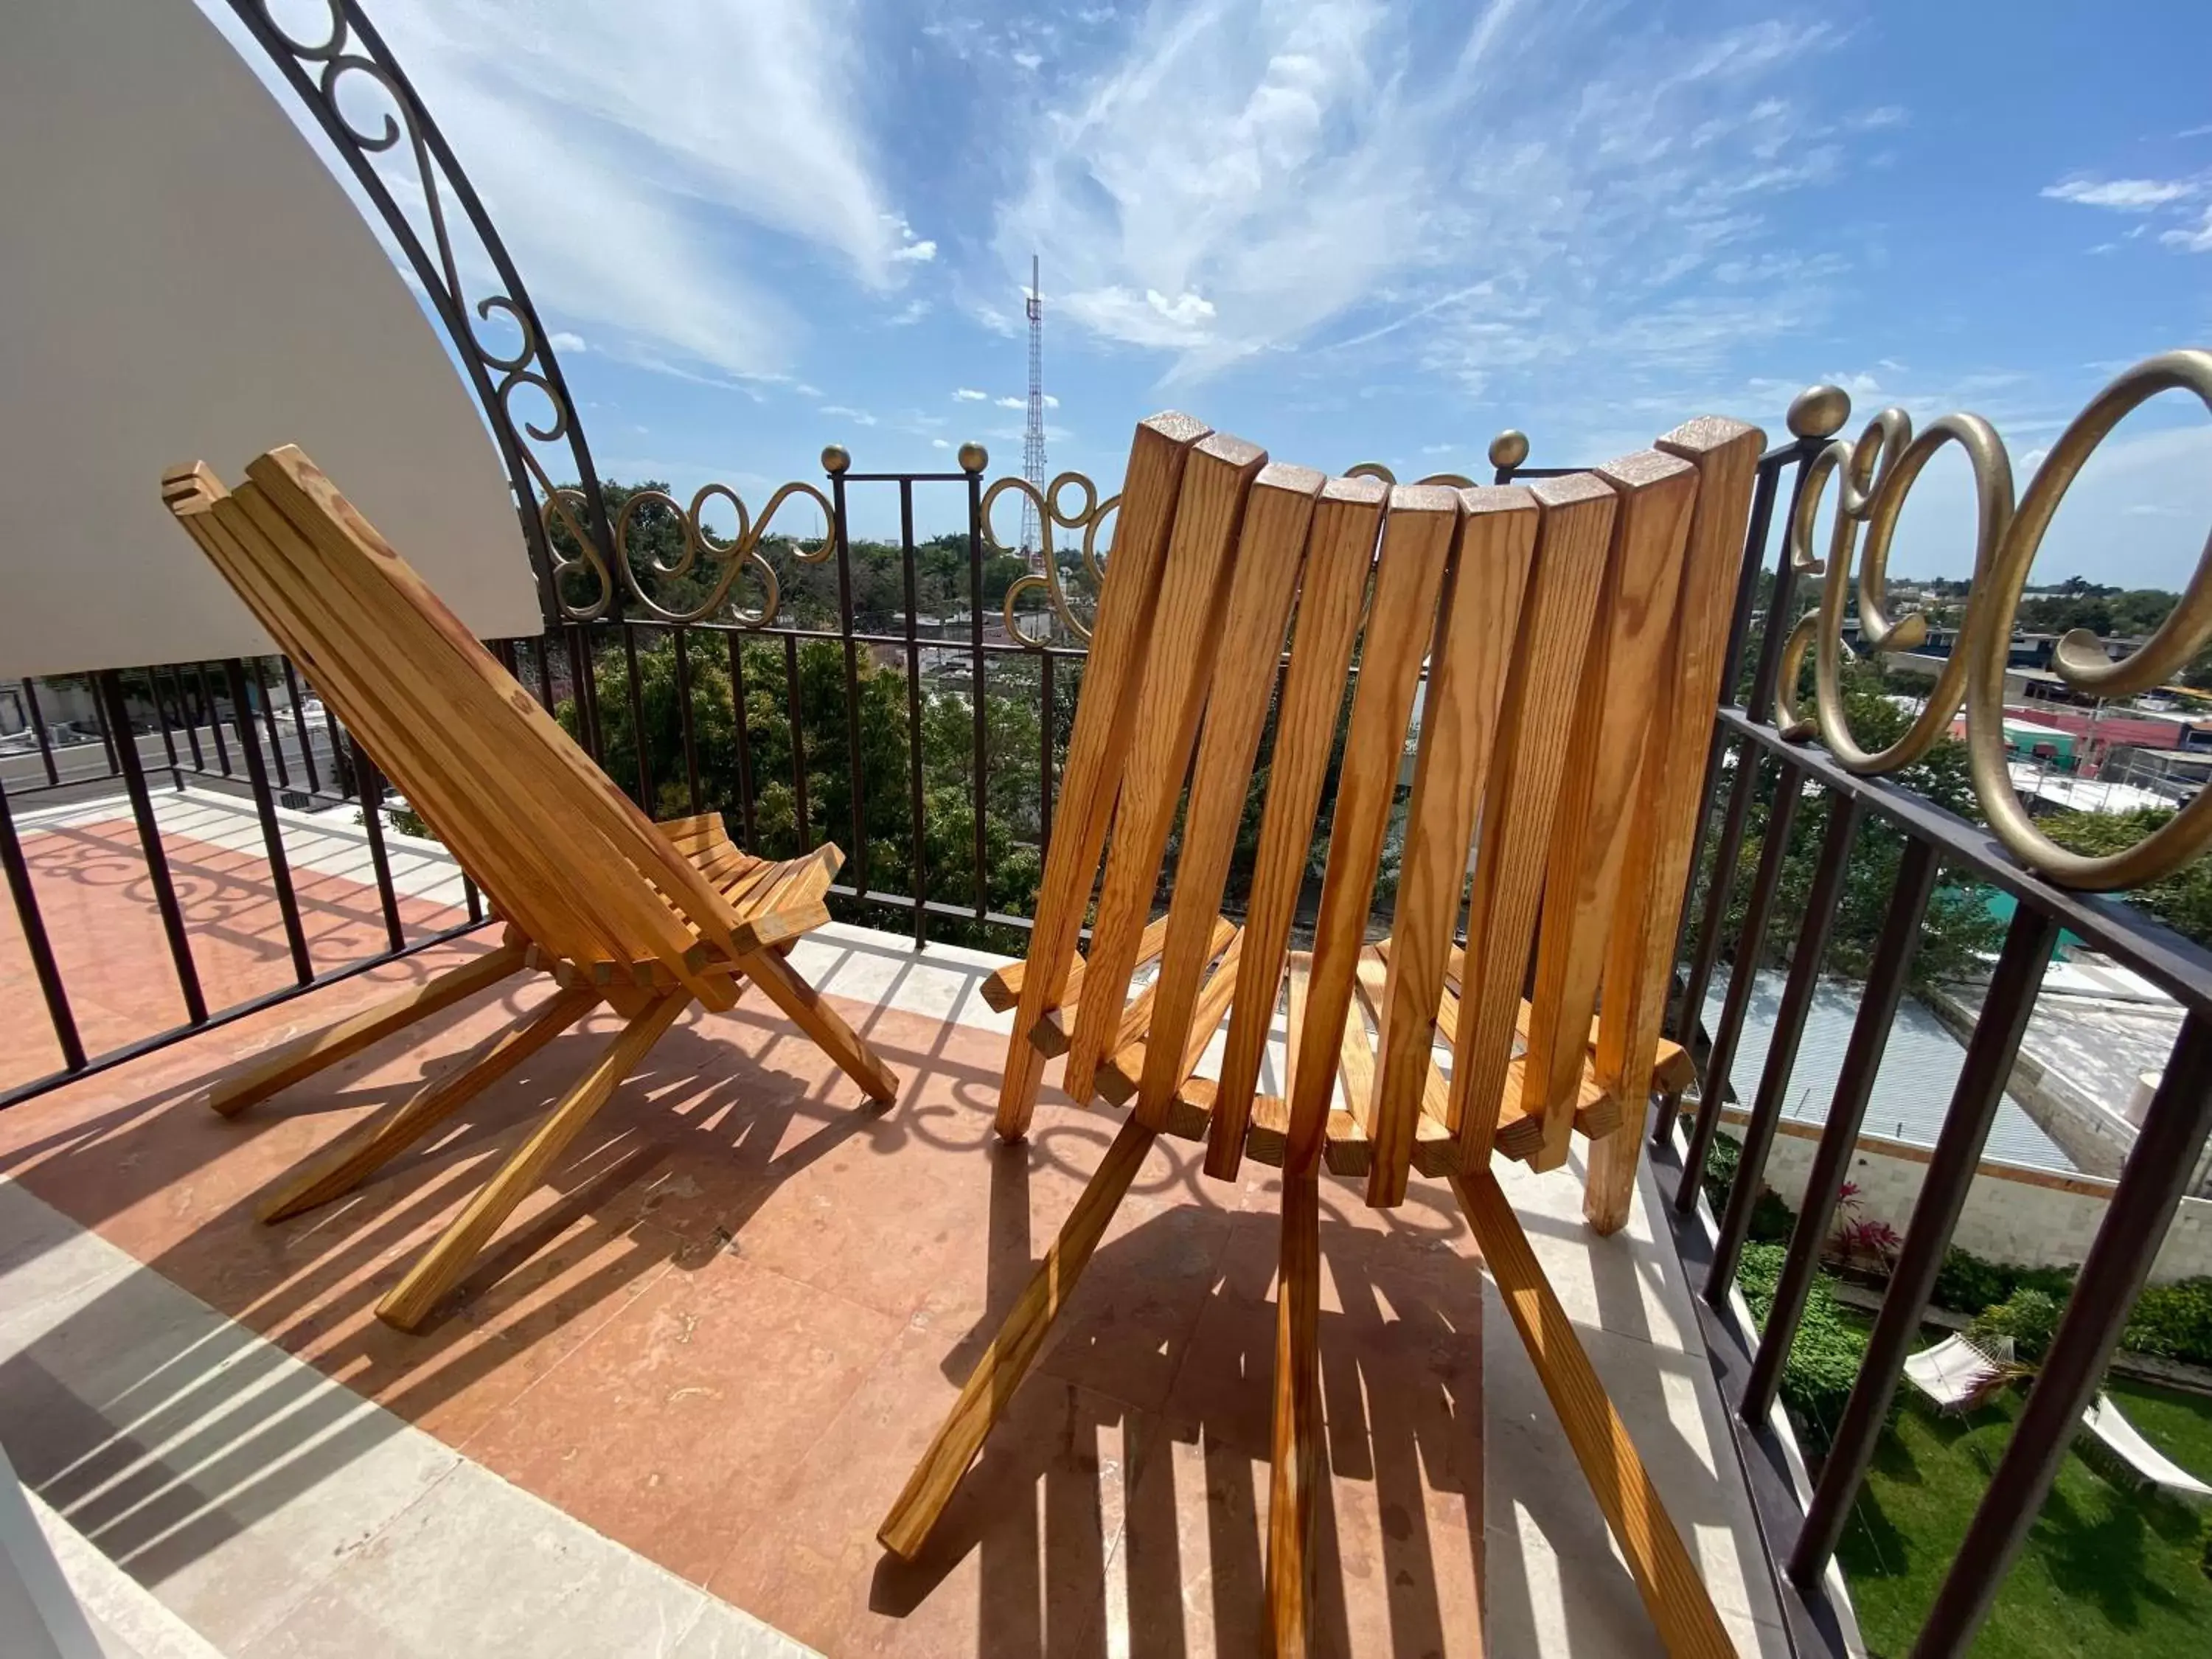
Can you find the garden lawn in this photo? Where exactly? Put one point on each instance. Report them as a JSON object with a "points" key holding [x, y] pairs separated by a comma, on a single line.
{"points": [[2104, 1571]]}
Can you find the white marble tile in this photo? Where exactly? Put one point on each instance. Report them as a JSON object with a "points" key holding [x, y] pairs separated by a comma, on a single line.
{"points": [[1629, 1283]]}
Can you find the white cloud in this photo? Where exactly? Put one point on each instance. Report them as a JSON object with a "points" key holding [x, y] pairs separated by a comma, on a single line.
{"points": [[609, 152], [857, 416], [2126, 195], [1011, 403], [916, 253], [940, 443], [1051, 402], [968, 394], [562, 340], [2197, 240], [1251, 173]]}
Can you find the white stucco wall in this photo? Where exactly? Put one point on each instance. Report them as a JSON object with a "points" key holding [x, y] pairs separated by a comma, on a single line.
{"points": [[185, 281], [2010, 1215]]}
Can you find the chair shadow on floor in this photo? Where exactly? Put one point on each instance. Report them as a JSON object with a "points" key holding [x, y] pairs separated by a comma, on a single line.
{"points": [[1102, 1524], [162, 1429]]}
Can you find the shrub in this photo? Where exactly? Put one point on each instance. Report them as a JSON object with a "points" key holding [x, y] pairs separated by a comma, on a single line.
{"points": [[1825, 1355], [2174, 1321], [1772, 1220], [2028, 1316], [1967, 1283]]}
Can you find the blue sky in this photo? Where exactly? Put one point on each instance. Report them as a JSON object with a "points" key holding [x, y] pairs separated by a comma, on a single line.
{"points": [[1351, 231]]}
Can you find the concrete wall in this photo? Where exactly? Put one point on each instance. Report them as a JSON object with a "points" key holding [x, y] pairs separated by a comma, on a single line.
{"points": [[2011, 1214], [185, 281]]}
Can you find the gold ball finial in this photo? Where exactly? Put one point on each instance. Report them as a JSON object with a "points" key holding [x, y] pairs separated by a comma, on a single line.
{"points": [[974, 458], [835, 459], [1820, 412], [1510, 448]]}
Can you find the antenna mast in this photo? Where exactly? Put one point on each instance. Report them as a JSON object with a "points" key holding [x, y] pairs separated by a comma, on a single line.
{"points": [[1033, 438]]}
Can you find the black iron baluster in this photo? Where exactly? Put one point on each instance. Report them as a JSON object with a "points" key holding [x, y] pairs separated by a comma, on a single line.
{"points": [[1044, 754], [101, 718], [541, 653], [1754, 561], [370, 783], [638, 721], [109, 689], [269, 724], [1824, 1185], [2005, 1009], [2151, 1187], [792, 704], [845, 623], [744, 740], [272, 835], [191, 724], [1743, 971], [1776, 633], [983, 740], [300, 728], [1743, 782], [683, 714], [215, 722], [1813, 932], [584, 670], [169, 738], [33, 926], [39, 725], [504, 650], [914, 713]]}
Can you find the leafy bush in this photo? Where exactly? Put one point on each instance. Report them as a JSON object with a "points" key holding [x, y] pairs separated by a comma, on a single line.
{"points": [[1825, 1355], [1772, 1220], [1967, 1283], [2028, 1316], [2174, 1321]]}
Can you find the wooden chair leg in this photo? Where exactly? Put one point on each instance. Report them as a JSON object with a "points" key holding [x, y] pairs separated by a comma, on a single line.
{"points": [[350, 1159], [806, 1010], [1668, 1579], [286, 1064], [1005, 1362], [1297, 1465], [1610, 1186], [410, 1301]]}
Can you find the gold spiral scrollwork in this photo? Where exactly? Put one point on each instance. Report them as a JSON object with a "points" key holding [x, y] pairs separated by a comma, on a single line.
{"points": [[1090, 518], [1376, 470], [740, 552], [1873, 477]]}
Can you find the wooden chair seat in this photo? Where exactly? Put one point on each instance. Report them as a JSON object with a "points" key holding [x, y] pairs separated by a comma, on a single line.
{"points": [[1564, 643], [644, 918]]}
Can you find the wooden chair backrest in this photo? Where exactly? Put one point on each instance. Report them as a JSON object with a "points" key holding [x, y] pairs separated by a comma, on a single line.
{"points": [[1571, 633], [562, 854]]}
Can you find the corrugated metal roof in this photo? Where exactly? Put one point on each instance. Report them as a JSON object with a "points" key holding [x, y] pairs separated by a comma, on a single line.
{"points": [[1912, 1088]]}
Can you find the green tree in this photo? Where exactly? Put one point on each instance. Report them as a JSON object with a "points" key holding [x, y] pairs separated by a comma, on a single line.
{"points": [[2181, 900]]}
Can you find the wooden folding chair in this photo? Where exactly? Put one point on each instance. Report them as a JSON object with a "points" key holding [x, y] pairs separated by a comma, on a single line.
{"points": [[646, 918], [1571, 634]]}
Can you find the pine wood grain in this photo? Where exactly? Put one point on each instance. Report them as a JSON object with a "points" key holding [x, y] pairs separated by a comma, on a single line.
{"points": [[1098, 746], [280, 1067], [1560, 598], [1418, 531], [1340, 550], [1216, 481], [1277, 514], [1296, 1463], [1666, 1577], [1476, 641], [1656, 868], [1619, 687]]}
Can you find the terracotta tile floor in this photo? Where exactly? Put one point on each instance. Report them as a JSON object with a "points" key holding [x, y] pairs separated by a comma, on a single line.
{"points": [[724, 1329]]}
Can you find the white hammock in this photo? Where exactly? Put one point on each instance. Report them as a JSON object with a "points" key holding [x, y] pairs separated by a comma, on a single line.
{"points": [[1956, 1374], [2144, 1460]]}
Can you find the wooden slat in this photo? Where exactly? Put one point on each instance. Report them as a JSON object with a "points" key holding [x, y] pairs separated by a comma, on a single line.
{"points": [[1006, 1361], [1666, 1576], [303, 1056], [1476, 639], [1243, 660], [409, 1302], [1517, 806], [350, 1159], [1098, 746], [1003, 989], [1417, 537], [806, 1008], [1200, 555], [1296, 1463], [1340, 550], [1656, 869], [1619, 687], [1050, 1036]]}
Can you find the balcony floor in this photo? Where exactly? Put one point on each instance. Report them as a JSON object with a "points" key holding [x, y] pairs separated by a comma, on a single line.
{"points": [[700, 1362]]}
